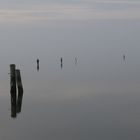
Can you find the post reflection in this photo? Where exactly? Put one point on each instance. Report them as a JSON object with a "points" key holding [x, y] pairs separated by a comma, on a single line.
{"points": [[13, 106], [16, 104], [19, 101]]}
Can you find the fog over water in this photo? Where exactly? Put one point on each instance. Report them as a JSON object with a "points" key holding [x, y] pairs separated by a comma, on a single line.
{"points": [[96, 98]]}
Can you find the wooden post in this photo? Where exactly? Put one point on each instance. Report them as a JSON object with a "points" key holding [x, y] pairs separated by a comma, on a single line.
{"points": [[20, 91], [37, 64], [13, 90], [19, 82], [61, 59]]}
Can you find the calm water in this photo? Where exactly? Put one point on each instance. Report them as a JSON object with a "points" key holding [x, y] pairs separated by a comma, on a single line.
{"points": [[97, 99]]}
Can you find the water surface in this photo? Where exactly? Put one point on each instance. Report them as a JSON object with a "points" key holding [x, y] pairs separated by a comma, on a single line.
{"points": [[98, 98]]}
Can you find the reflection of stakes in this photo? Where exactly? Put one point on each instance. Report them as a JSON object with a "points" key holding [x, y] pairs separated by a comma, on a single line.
{"points": [[75, 60], [124, 57], [61, 65], [13, 90], [20, 91]]}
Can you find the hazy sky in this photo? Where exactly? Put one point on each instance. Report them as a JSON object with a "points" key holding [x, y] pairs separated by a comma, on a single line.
{"points": [[46, 10]]}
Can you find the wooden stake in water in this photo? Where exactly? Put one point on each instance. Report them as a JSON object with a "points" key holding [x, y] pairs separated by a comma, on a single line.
{"points": [[19, 82], [20, 91], [61, 60], [13, 90], [37, 64]]}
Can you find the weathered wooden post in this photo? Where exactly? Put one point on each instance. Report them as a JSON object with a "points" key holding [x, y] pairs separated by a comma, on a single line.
{"points": [[13, 90], [37, 64], [61, 60], [20, 91]]}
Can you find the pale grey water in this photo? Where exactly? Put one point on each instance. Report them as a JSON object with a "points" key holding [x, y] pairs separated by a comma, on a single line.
{"points": [[97, 99]]}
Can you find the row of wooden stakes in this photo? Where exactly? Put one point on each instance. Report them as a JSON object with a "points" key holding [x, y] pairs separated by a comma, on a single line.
{"points": [[16, 90]]}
